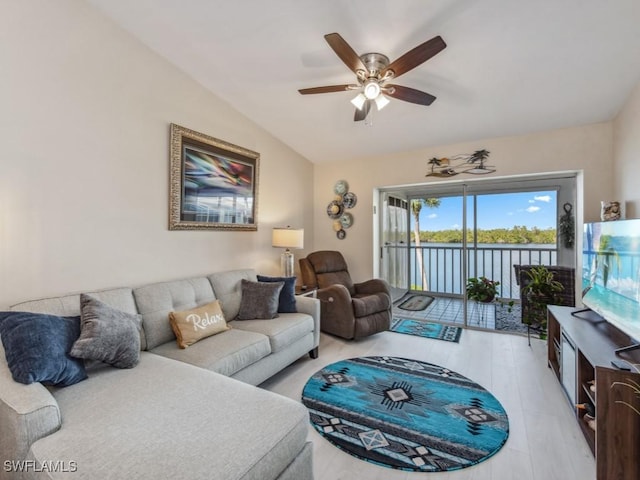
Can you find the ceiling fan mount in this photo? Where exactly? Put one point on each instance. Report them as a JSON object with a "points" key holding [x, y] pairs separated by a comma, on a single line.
{"points": [[375, 63], [374, 70]]}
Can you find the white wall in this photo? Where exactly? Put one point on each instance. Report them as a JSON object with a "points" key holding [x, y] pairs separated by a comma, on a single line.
{"points": [[587, 148], [626, 148], [84, 133], [84, 128]]}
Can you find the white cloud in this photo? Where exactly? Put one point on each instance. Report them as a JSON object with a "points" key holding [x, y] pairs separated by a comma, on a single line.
{"points": [[532, 201], [455, 226], [432, 215], [542, 198], [532, 209]]}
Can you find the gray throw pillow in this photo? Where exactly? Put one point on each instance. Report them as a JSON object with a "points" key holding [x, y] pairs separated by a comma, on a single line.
{"points": [[287, 301], [259, 300], [107, 334]]}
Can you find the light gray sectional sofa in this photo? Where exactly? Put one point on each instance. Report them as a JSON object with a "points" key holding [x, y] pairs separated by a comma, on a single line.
{"points": [[180, 413]]}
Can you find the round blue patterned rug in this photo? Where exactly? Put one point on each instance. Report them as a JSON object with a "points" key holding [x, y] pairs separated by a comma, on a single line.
{"points": [[405, 414]]}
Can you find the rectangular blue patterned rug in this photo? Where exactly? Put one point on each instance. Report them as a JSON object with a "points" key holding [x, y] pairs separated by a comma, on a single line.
{"points": [[424, 328]]}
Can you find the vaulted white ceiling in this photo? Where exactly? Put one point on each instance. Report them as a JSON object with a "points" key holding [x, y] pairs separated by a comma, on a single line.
{"points": [[510, 66]]}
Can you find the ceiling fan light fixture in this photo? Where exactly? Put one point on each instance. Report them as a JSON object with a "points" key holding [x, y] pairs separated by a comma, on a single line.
{"points": [[373, 71], [358, 101], [381, 102], [371, 89]]}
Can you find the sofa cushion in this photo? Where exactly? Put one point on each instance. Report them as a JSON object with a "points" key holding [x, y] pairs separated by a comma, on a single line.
{"points": [[107, 334], [281, 331], [155, 301], [287, 300], [189, 326], [228, 289], [37, 348], [171, 419], [259, 300], [226, 353]]}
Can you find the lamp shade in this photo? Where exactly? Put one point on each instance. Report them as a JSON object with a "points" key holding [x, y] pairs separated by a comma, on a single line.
{"points": [[288, 237]]}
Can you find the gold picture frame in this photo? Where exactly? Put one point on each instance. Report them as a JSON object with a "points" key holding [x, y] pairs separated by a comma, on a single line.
{"points": [[213, 184]]}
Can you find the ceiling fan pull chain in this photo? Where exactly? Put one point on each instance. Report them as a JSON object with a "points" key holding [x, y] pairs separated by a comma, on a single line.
{"points": [[368, 120]]}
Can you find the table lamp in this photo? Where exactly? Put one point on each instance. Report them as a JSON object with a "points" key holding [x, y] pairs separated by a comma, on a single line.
{"points": [[287, 238]]}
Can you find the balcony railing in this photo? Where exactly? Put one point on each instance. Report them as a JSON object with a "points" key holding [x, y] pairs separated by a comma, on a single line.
{"points": [[442, 266]]}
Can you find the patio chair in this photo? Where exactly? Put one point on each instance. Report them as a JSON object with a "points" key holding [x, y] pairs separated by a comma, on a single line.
{"points": [[347, 309]]}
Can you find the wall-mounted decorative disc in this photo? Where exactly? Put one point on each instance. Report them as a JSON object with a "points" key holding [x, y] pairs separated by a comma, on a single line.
{"points": [[341, 187], [346, 220], [334, 209], [349, 200], [337, 226], [341, 234]]}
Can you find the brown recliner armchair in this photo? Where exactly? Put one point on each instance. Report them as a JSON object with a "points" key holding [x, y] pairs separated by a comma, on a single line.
{"points": [[348, 310]]}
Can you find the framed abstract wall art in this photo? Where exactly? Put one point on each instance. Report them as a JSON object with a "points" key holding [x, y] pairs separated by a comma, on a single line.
{"points": [[213, 183]]}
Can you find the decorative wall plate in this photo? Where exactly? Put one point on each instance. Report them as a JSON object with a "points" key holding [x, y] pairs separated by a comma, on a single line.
{"points": [[341, 187], [335, 209], [341, 234], [346, 220], [349, 200]]}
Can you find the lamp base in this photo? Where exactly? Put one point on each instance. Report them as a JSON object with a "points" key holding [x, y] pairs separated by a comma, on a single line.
{"points": [[286, 263]]}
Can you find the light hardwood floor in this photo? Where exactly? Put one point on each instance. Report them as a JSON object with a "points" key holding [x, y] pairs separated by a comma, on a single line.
{"points": [[545, 442]]}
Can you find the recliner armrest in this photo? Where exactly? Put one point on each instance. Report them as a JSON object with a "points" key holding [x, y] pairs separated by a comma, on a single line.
{"points": [[337, 294], [337, 311], [375, 285]]}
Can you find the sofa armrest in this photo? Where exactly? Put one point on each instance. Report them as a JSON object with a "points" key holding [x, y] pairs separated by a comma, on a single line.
{"points": [[27, 413], [311, 306]]}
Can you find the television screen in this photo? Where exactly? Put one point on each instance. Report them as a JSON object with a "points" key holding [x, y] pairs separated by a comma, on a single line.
{"points": [[611, 273]]}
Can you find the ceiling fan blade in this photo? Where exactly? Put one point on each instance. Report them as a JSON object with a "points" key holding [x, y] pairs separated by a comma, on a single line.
{"points": [[416, 56], [345, 52], [327, 89], [361, 114], [409, 94]]}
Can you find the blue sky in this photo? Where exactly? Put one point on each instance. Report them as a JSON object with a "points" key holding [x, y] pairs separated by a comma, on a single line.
{"points": [[531, 209]]}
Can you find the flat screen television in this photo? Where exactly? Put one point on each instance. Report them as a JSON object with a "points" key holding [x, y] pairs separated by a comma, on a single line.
{"points": [[611, 274]]}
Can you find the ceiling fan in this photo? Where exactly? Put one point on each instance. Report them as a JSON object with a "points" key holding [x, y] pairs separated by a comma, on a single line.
{"points": [[374, 71]]}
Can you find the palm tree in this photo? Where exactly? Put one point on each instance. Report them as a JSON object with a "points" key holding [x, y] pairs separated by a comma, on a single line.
{"points": [[416, 206]]}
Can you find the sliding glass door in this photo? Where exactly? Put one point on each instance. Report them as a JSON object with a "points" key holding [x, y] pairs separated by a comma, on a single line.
{"points": [[457, 231], [436, 243], [394, 240]]}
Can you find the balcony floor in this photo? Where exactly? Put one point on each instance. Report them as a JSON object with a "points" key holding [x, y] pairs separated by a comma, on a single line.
{"points": [[490, 316]]}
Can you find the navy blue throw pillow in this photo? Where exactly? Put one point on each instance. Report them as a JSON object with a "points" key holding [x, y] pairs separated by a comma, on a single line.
{"points": [[287, 300], [37, 345]]}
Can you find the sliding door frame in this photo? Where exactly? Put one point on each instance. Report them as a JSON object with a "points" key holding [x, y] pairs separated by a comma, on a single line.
{"points": [[567, 185]]}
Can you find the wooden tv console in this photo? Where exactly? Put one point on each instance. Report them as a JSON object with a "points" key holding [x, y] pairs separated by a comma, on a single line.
{"points": [[580, 350]]}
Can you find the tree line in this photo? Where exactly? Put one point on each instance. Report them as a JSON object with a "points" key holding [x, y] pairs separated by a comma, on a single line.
{"points": [[517, 234]]}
